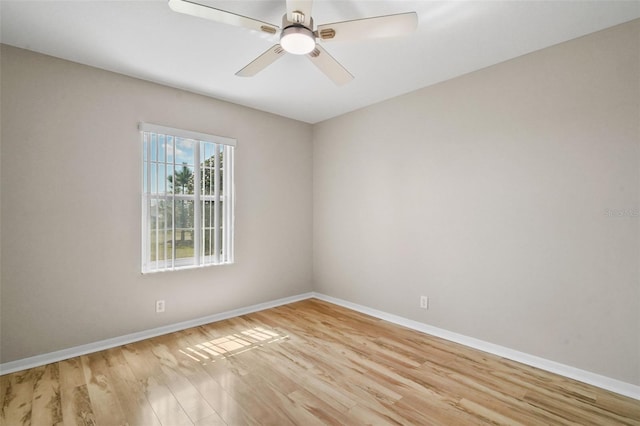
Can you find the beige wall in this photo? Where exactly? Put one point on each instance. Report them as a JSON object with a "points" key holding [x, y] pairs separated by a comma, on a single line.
{"points": [[488, 193], [71, 160]]}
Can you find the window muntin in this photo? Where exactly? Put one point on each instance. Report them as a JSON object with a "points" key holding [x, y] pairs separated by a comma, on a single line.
{"points": [[188, 199]]}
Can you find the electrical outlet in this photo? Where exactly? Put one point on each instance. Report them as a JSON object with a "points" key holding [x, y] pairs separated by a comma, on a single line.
{"points": [[159, 306], [424, 302]]}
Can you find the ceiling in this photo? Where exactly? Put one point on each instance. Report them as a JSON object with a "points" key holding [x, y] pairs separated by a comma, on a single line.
{"points": [[146, 39]]}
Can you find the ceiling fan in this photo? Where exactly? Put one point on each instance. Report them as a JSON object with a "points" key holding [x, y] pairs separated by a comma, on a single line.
{"points": [[298, 36]]}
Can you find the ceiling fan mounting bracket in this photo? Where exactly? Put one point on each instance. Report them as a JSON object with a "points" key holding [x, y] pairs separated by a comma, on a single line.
{"points": [[287, 23], [297, 17]]}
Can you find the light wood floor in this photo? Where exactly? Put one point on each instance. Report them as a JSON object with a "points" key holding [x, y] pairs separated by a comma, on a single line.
{"points": [[305, 363]]}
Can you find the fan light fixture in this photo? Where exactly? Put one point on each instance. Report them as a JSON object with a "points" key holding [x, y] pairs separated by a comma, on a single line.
{"points": [[298, 40]]}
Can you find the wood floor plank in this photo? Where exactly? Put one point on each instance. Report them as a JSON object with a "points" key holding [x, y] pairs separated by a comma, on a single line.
{"points": [[202, 371], [305, 363], [286, 410], [104, 401], [71, 373], [76, 406], [187, 395], [213, 420], [318, 385], [47, 405], [148, 370], [130, 392], [164, 403], [371, 416], [228, 408], [318, 405], [18, 400], [5, 386]]}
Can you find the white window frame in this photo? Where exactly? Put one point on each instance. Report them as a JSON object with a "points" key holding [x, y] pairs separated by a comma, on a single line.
{"points": [[223, 204]]}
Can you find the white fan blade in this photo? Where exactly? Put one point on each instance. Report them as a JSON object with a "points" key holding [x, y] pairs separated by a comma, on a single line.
{"points": [[360, 29], [330, 66], [301, 6], [206, 12], [262, 61]]}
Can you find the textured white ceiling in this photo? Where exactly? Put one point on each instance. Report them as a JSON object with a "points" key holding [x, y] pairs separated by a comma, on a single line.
{"points": [[145, 39]]}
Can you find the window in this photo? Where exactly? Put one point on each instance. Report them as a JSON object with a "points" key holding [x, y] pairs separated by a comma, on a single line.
{"points": [[187, 199]]}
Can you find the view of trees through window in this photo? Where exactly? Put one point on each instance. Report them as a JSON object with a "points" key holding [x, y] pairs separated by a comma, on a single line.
{"points": [[182, 182], [184, 188]]}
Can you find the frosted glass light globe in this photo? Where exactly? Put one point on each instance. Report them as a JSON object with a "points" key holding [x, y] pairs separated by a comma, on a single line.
{"points": [[298, 40]]}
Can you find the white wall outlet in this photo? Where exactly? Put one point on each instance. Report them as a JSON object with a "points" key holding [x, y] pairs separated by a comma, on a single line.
{"points": [[159, 306], [424, 302]]}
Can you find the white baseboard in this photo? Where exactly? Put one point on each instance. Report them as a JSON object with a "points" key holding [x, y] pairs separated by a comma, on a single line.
{"points": [[38, 360], [617, 386]]}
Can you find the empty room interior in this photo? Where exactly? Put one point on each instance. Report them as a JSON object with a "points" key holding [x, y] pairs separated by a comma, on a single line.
{"points": [[331, 212]]}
